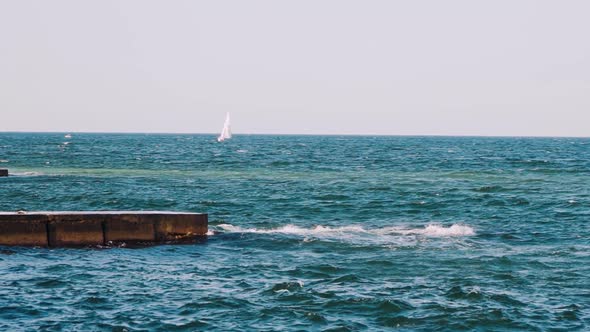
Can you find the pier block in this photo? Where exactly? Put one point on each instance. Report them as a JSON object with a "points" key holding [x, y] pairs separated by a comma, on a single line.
{"points": [[23, 230], [181, 227], [65, 231], [3, 172], [129, 228]]}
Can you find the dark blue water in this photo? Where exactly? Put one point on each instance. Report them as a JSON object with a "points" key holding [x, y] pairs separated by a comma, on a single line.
{"points": [[308, 233]]}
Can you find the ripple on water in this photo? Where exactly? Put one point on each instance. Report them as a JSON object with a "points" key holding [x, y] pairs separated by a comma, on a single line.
{"points": [[48, 283]]}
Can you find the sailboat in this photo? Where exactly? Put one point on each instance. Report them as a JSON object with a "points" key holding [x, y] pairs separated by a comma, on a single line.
{"points": [[226, 132]]}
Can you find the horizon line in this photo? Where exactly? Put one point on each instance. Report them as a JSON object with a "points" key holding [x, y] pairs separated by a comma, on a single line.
{"points": [[283, 134]]}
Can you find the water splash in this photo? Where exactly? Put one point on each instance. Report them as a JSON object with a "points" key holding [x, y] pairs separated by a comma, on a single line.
{"points": [[431, 230]]}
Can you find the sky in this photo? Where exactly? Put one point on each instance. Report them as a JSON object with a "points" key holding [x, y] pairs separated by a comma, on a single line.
{"points": [[454, 67]]}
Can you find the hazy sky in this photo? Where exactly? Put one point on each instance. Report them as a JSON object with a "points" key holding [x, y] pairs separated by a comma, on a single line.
{"points": [[312, 67]]}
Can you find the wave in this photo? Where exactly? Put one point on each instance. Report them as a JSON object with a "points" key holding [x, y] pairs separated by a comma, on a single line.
{"points": [[431, 230], [26, 174]]}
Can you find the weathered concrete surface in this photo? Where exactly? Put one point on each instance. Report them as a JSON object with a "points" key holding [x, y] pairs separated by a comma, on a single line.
{"points": [[57, 229], [3, 172], [24, 230], [75, 230], [129, 228], [180, 228]]}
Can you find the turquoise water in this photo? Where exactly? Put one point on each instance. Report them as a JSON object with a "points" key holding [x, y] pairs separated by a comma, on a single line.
{"points": [[326, 233]]}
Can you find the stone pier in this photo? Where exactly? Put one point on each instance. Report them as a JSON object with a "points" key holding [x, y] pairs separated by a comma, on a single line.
{"points": [[90, 228]]}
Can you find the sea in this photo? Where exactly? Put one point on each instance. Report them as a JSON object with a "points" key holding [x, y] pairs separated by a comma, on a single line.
{"points": [[307, 233]]}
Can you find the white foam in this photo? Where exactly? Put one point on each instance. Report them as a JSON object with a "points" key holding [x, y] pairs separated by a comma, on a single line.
{"points": [[432, 230], [441, 231], [296, 230], [3, 161], [26, 173]]}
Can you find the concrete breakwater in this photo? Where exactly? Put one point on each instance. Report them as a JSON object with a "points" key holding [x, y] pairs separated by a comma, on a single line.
{"points": [[89, 228]]}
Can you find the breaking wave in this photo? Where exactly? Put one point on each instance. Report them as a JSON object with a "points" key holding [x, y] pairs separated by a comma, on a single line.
{"points": [[431, 230], [26, 174]]}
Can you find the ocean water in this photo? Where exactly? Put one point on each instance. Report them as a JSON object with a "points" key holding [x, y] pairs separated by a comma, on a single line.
{"points": [[321, 233]]}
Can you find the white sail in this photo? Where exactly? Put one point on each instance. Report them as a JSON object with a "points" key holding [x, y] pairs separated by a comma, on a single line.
{"points": [[226, 132]]}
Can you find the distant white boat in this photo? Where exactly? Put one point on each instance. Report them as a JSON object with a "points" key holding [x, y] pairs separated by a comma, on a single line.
{"points": [[226, 132], [68, 136]]}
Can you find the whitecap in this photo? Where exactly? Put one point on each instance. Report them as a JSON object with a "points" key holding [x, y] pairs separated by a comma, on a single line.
{"points": [[26, 173], [431, 230], [295, 230], [454, 230]]}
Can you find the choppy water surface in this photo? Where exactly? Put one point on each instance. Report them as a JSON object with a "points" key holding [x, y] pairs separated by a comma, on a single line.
{"points": [[308, 233]]}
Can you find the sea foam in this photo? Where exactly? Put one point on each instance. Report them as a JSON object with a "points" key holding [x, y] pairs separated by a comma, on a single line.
{"points": [[431, 230], [27, 174]]}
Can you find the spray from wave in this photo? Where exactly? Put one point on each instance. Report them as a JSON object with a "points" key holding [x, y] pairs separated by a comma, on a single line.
{"points": [[431, 230]]}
